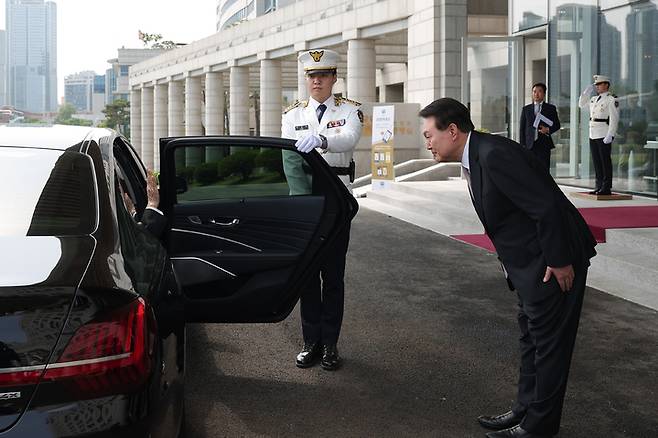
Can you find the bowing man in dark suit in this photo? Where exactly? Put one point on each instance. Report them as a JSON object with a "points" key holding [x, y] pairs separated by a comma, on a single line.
{"points": [[544, 245], [538, 138]]}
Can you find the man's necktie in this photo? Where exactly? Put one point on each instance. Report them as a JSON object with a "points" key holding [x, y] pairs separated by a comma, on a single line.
{"points": [[598, 98], [320, 111], [467, 177]]}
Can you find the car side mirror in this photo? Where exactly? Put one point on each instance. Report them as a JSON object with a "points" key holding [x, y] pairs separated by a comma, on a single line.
{"points": [[181, 185]]}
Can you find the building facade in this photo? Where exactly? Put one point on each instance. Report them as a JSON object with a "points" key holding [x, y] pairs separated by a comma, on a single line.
{"points": [[563, 43], [3, 68], [31, 36], [78, 90], [486, 53], [116, 77]]}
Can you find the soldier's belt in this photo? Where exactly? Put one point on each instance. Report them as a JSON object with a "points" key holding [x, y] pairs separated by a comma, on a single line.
{"points": [[601, 120], [350, 170]]}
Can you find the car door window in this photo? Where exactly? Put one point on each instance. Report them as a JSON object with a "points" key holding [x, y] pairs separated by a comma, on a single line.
{"points": [[219, 172], [250, 220]]}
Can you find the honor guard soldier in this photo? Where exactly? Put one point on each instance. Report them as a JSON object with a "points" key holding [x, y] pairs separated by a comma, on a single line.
{"points": [[332, 126], [603, 122]]}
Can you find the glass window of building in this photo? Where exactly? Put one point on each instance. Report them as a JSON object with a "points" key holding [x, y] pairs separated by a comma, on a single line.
{"points": [[527, 14], [585, 39]]}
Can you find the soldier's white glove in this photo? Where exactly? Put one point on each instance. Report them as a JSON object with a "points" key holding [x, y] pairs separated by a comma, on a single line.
{"points": [[608, 139], [308, 143], [588, 90]]}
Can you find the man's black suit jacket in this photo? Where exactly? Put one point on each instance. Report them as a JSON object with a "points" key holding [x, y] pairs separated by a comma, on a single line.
{"points": [[154, 222], [527, 134], [529, 220]]}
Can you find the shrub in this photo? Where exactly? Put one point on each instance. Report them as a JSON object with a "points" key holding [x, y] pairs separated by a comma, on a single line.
{"points": [[187, 173], [206, 173], [270, 159], [238, 163]]}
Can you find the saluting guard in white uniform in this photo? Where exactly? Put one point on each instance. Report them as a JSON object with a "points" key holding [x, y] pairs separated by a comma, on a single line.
{"points": [[603, 123], [331, 125]]}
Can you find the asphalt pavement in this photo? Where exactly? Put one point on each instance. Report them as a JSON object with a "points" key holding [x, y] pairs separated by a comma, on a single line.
{"points": [[429, 342]]}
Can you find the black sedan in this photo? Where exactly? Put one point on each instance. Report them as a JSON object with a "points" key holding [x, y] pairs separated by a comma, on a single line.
{"points": [[94, 301]]}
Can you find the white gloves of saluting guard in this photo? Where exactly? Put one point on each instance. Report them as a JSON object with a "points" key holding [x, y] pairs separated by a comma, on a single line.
{"points": [[308, 143], [608, 139], [588, 90]]}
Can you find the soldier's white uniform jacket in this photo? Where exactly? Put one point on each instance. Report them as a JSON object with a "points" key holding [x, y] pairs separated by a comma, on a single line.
{"points": [[603, 114], [341, 124]]}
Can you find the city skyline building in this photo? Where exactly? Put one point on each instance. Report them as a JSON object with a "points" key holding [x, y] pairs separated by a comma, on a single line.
{"points": [[85, 91], [31, 47]]}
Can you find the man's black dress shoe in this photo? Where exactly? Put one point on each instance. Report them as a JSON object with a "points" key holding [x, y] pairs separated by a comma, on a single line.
{"points": [[330, 358], [515, 432], [500, 422], [604, 192], [593, 192], [308, 356]]}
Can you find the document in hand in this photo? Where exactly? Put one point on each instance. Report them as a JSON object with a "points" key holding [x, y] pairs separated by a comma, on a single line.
{"points": [[542, 119]]}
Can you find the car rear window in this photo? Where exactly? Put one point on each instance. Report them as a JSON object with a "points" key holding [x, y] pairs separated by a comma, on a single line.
{"points": [[46, 193]]}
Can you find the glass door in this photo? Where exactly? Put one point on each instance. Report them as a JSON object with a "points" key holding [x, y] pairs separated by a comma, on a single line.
{"points": [[492, 83]]}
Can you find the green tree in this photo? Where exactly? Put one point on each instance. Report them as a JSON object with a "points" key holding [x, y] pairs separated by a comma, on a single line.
{"points": [[155, 41], [117, 116], [65, 116]]}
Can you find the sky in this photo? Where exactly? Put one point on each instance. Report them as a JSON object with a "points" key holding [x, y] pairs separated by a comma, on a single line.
{"points": [[89, 32]]}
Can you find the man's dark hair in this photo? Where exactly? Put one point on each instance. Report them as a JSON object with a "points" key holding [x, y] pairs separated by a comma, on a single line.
{"points": [[540, 85], [446, 111]]}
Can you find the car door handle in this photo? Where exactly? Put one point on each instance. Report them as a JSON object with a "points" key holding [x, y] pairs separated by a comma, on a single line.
{"points": [[232, 223]]}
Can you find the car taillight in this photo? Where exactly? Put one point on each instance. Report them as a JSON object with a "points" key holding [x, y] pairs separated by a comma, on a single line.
{"points": [[108, 355]]}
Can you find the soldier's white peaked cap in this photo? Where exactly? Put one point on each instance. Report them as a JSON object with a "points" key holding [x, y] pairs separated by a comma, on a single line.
{"points": [[319, 61]]}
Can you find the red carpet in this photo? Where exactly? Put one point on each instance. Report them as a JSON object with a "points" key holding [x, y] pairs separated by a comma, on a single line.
{"points": [[598, 219]]}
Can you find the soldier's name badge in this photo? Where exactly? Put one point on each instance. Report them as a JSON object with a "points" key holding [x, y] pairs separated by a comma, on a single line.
{"points": [[301, 127], [336, 123]]}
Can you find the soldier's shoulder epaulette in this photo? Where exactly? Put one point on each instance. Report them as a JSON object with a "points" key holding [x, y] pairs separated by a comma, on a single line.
{"points": [[340, 100], [294, 105]]}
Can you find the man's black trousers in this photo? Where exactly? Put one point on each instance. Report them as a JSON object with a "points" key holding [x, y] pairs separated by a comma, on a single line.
{"points": [[602, 163], [542, 150], [322, 302], [548, 333]]}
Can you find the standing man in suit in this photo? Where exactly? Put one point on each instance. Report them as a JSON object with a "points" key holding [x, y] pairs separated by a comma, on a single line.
{"points": [[536, 132], [544, 245], [603, 122], [332, 126]]}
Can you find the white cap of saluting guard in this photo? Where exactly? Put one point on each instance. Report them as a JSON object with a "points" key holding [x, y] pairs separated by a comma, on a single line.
{"points": [[601, 78], [319, 61]]}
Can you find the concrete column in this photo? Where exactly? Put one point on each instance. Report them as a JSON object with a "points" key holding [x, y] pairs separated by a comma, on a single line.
{"points": [[193, 156], [214, 111], [136, 120], [176, 109], [214, 103], [239, 101], [302, 91], [176, 116], [147, 127], [160, 121], [271, 98], [434, 50], [361, 70]]}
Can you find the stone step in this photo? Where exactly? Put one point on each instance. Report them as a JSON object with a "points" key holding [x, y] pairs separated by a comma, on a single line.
{"points": [[624, 279], [632, 277], [451, 192], [439, 223], [424, 205], [640, 239]]}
